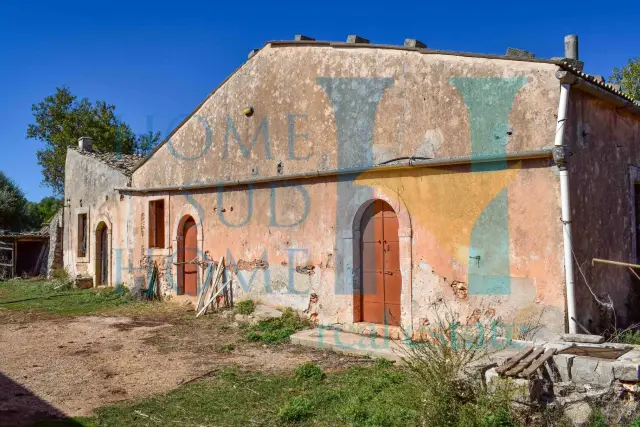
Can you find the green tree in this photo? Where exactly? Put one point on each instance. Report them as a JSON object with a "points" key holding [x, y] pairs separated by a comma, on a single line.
{"points": [[19, 214], [147, 142], [62, 118], [628, 77], [12, 204], [42, 212], [48, 207]]}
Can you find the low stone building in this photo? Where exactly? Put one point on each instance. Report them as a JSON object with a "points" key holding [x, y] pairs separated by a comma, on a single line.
{"points": [[359, 182], [95, 230]]}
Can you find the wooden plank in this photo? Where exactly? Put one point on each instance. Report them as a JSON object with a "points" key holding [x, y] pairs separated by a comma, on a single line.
{"points": [[524, 363], [207, 281], [538, 363], [514, 360], [204, 309], [214, 286], [211, 289]]}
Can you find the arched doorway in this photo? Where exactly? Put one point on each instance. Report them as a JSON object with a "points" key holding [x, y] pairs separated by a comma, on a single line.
{"points": [[381, 280], [187, 256], [102, 254]]}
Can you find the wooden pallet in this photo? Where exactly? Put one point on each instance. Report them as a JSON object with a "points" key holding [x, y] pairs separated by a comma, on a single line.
{"points": [[525, 363]]}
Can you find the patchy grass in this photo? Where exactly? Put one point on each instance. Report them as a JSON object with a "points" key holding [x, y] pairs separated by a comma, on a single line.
{"points": [[630, 337], [309, 371], [276, 330], [245, 307], [597, 419], [53, 297], [360, 396], [227, 348], [42, 295]]}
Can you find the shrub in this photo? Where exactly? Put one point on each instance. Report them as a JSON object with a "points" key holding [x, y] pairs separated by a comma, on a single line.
{"points": [[489, 410], [309, 371], [277, 330], [442, 365], [630, 337], [245, 307], [298, 409], [383, 363]]}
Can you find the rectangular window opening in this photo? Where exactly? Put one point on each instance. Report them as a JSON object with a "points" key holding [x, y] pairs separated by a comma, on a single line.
{"points": [[156, 224], [82, 235]]}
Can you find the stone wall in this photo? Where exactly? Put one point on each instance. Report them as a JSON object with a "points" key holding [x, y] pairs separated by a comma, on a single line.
{"points": [[55, 257]]}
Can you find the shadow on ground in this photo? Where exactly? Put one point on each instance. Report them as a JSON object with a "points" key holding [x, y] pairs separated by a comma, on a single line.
{"points": [[21, 407]]}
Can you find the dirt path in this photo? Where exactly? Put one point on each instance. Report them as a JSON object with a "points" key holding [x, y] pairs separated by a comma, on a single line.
{"points": [[70, 366]]}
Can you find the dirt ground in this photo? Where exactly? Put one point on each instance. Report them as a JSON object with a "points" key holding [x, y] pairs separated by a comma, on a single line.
{"points": [[68, 366]]}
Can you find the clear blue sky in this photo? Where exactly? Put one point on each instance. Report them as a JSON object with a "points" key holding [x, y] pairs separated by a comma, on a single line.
{"points": [[157, 61]]}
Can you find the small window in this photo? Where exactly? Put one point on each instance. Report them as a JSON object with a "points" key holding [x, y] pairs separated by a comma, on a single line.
{"points": [[156, 224], [82, 235]]}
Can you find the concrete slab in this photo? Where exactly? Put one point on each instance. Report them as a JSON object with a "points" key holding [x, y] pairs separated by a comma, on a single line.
{"points": [[374, 346], [351, 344], [565, 367]]}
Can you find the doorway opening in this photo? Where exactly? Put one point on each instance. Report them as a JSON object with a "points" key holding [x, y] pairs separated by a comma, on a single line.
{"points": [[188, 257], [381, 281], [102, 255]]}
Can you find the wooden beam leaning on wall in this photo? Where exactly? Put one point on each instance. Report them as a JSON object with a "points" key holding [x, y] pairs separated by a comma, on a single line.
{"points": [[209, 287]]}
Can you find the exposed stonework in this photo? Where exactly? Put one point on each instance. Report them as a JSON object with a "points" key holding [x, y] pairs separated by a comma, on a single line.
{"points": [[124, 163], [251, 265]]}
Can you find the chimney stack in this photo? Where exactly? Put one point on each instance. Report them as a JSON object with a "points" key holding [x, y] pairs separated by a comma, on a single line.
{"points": [[414, 43], [352, 38], [571, 46], [85, 143]]}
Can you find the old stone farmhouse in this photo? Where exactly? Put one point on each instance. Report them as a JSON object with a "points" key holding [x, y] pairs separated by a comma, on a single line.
{"points": [[359, 182]]}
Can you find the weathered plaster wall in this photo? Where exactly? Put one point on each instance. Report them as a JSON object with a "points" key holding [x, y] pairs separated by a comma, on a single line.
{"points": [[605, 144], [418, 105], [481, 234], [284, 264], [90, 188], [445, 204]]}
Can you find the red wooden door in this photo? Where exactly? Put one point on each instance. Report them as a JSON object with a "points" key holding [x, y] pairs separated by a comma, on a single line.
{"points": [[104, 256], [381, 280], [190, 254]]}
